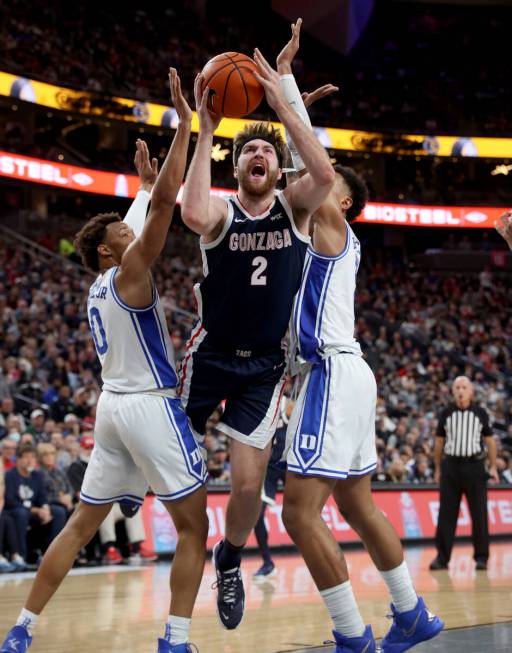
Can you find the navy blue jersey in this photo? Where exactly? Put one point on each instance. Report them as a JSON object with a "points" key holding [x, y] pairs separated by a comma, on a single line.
{"points": [[252, 272]]}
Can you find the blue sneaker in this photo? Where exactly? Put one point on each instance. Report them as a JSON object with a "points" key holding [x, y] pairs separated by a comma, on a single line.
{"points": [[230, 594], [410, 628], [17, 641], [165, 647], [363, 644], [267, 570]]}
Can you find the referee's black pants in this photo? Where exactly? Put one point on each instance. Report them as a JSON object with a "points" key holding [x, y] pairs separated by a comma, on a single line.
{"points": [[462, 476]]}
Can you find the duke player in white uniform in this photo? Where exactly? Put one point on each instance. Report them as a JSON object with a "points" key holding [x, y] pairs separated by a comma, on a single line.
{"points": [[331, 434], [141, 434]]}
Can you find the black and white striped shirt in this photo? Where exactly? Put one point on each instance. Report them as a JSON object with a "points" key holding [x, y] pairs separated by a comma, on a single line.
{"points": [[463, 430]]}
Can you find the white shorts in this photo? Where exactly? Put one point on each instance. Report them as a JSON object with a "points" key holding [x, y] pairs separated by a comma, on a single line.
{"points": [[332, 428], [140, 440]]}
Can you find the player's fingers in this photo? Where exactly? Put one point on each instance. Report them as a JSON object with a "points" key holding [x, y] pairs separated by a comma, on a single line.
{"points": [[154, 165], [144, 151], [204, 98], [262, 80], [261, 69], [327, 89], [296, 29], [197, 88], [262, 61], [178, 83]]}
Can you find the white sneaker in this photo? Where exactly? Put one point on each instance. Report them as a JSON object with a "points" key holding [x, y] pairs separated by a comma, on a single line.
{"points": [[18, 562], [5, 565], [135, 559]]}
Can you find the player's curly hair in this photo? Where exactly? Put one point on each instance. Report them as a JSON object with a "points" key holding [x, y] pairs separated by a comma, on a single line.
{"points": [[263, 131], [90, 236], [358, 191]]}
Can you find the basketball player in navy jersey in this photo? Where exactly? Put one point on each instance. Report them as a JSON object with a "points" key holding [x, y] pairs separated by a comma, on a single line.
{"points": [[331, 435], [253, 249], [141, 434]]}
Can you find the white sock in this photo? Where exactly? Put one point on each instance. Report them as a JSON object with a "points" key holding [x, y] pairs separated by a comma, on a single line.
{"points": [[400, 587], [176, 629], [27, 619], [342, 606]]}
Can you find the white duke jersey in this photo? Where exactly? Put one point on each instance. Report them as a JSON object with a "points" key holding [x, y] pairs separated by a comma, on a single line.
{"points": [[323, 319], [133, 344]]}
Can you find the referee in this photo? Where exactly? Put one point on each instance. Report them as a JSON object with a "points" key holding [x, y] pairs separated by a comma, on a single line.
{"points": [[462, 429]]}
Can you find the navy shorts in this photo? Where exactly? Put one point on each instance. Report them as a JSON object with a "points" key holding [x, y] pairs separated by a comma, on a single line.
{"points": [[252, 387]]}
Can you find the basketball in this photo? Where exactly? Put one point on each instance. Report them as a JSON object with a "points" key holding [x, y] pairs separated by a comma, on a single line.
{"points": [[234, 90]]}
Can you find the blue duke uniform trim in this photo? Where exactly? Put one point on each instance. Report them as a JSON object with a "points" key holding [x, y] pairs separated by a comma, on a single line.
{"points": [[136, 354], [311, 428], [323, 439]]}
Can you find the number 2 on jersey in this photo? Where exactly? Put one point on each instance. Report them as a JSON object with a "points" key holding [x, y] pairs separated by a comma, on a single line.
{"points": [[95, 320], [257, 277]]}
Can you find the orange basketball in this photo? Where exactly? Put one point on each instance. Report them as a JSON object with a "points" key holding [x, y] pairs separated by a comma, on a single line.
{"points": [[234, 90]]}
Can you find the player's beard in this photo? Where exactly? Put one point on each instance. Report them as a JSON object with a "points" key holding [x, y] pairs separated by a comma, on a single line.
{"points": [[257, 190]]}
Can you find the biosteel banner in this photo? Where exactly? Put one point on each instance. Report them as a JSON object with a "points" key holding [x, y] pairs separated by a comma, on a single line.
{"points": [[63, 175], [159, 115], [89, 180], [408, 215], [413, 513]]}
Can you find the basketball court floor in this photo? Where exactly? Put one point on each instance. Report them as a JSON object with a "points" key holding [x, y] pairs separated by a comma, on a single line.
{"points": [[122, 609]]}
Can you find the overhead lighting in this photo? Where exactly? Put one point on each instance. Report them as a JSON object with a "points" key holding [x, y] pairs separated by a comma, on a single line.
{"points": [[218, 154], [501, 170]]}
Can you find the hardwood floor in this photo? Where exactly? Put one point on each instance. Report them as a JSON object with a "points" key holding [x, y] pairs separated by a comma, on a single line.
{"points": [[123, 609]]}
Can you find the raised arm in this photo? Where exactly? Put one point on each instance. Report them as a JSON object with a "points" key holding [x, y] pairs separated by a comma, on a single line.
{"points": [[504, 227], [299, 102], [148, 172], [202, 212], [308, 193], [140, 255]]}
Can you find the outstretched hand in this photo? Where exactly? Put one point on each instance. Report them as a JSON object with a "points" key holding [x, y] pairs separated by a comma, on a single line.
{"points": [[270, 80], [208, 121], [318, 94], [287, 54], [146, 169], [504, 227], [180, 104]]}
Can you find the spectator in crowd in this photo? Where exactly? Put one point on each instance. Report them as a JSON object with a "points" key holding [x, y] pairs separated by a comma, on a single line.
{"points": [[76, 470], [76, 473], [7, 409], [218, 464], [63, 405], [504, 467], [58, 488], [420, 470], [8, 447], [397, 471], [36, 426], [8, 539], [70, 451], [26, 501]]}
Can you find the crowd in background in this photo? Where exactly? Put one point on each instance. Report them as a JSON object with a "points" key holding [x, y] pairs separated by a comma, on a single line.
{"points": [[418, 331], [406, 54]]}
